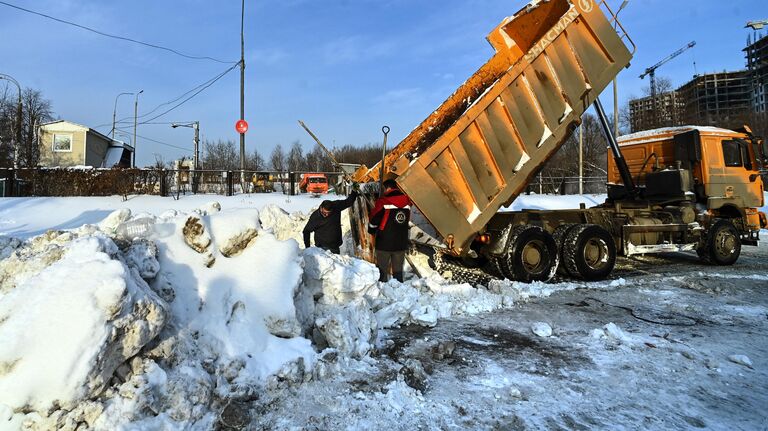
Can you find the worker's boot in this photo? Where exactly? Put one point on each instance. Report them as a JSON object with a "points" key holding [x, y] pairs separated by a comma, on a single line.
{"points": [[398, 276]]}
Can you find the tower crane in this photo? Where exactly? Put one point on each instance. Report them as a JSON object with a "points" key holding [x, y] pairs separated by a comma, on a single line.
{"points": [[651, 71]]}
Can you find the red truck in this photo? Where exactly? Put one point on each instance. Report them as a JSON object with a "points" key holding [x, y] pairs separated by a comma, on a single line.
{"points": [[314, 183]]}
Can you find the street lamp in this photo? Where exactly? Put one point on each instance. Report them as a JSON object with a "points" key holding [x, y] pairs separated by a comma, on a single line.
{"points": [[19, 114], [135, 117], [114, 113], [196, 126]]}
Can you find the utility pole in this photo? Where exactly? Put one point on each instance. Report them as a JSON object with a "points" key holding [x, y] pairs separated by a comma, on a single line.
{"points": [[135, 118], [114, 114], [19, 120], [242, 92]]}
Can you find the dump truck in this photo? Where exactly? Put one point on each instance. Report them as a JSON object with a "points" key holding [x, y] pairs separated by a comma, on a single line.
{"points": [[314, 183], [480, 149]]}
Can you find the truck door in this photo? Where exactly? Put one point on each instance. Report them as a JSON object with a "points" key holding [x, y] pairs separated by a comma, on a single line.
{"points": [[733, 175]]}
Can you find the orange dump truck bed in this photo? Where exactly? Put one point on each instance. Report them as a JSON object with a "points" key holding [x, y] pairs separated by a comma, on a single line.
{"points": [[481, 147]]}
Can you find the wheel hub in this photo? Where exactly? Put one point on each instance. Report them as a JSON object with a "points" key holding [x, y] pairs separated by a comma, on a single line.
{"points": [[595, 253], [725, 243], [532, 255]]}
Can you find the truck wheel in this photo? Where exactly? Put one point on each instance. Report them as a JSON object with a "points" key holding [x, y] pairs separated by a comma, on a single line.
{"points": [[589, 252], [721, 244], [530, 255], [559, 235]]}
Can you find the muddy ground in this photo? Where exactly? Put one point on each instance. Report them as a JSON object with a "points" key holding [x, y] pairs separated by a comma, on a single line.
{"points": [[690, 352]]}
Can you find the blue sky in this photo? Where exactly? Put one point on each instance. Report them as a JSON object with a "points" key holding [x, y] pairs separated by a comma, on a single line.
{"points": [[346, 67]]}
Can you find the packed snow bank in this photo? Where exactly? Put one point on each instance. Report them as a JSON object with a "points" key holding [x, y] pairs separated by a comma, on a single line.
{"points": [[341, 304], [71, 311], [234, 287], [150, 321]]}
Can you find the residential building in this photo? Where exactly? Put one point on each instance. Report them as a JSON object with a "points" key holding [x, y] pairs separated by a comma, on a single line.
{"points": [[757, 67], [643, 112], [65, 144], [716, 99]]}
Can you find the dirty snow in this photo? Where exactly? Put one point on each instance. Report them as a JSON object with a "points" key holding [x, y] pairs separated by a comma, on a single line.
{"points": [[252, 331]]}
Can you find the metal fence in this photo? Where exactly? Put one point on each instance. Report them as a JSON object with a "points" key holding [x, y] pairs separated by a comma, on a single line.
{"points": [[160, 182]]}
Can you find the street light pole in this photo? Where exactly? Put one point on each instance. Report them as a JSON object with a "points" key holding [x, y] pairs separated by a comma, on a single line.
{"points": [[616, 85], [135, 118], [195, 125], [242, 92], [19, 119], [114, 114]]}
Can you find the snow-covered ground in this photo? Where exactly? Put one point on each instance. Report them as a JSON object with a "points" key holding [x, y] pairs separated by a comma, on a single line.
{"points": [[205, 312]]}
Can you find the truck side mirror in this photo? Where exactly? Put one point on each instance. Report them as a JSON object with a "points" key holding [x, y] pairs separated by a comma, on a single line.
{"points": [[764, 151]]}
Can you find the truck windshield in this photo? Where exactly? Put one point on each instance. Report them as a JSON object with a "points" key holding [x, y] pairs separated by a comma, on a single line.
{"points": [[317, 180]]}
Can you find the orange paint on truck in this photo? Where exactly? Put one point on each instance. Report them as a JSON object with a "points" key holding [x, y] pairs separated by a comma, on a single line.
{"points": [[314, 183]]}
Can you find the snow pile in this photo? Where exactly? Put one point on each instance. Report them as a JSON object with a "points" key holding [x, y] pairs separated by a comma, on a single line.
{"points": [[332, 303], [156, 322], [342, 305], [71, 312], [283, 225], [234, 288]]}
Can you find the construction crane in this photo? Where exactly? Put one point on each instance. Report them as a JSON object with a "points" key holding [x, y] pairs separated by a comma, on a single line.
{"points": [[757, 25], [651, 71]]}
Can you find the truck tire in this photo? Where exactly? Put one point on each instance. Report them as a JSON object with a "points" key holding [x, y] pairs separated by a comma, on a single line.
{"points": [[589, 252], [721, 244], [530, 255], [559, 235]]}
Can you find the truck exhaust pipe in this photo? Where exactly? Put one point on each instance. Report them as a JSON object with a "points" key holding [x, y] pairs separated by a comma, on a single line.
{"points": [[621, 164]]}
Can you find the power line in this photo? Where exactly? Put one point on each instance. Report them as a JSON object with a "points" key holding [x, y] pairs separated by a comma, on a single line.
{"points": [[127, 39], [193, 95], [198, 88], [155, 140]]}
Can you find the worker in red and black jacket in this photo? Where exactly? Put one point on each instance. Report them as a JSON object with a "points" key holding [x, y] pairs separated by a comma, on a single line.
{"points": [[388, 222]]}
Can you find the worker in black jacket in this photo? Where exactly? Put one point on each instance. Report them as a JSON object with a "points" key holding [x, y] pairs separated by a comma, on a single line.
{"points": [[325, 222], [388, 221]]}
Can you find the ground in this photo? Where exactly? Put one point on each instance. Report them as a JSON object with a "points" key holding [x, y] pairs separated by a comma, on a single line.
{"points": [[668, 368], [666, 343]]}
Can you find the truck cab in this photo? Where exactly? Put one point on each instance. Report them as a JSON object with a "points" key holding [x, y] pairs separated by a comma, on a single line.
{"points": [[314, 183], [717, 169]]}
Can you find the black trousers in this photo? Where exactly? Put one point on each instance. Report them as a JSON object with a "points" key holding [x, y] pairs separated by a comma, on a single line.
{"points": [[394, 258], [332, 250]]}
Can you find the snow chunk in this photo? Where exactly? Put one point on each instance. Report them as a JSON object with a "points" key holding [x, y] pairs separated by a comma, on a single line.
{"points": [[68, 322], [542, 329], [110, 223], [741, 360]]}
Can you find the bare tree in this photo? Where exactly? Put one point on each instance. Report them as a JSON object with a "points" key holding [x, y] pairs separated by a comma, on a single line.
{"points": [[318, 160], [254, 161], [35, 111], [220, 155], [277, 158], [663, 85], [565, 162], [296, 160]]}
